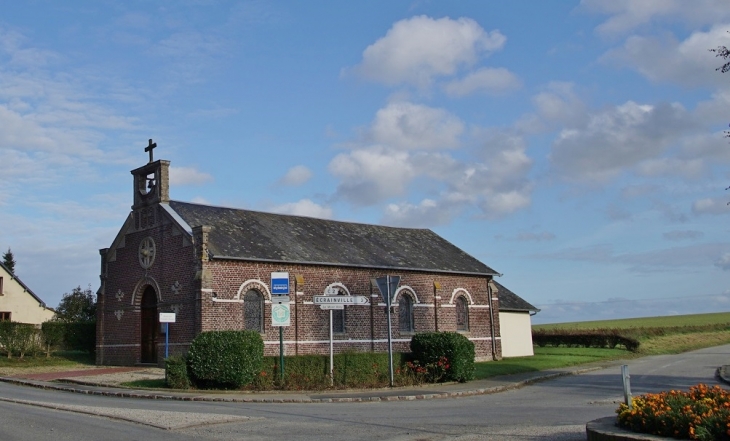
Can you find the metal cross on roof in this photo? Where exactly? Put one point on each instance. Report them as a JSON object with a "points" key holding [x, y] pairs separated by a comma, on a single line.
{"points": [[149, 148]]}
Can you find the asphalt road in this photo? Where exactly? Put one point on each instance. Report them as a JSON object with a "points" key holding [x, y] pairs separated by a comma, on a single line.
{"points": [[552, 410]]}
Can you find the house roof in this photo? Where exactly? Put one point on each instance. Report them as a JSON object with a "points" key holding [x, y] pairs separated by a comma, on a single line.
{"points": [[258, 236], [509, 301], [25, 287]]}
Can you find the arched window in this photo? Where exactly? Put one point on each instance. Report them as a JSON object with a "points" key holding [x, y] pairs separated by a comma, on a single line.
{"points": [[405, 313], [253, 311], [462, 314], [338, 317]]}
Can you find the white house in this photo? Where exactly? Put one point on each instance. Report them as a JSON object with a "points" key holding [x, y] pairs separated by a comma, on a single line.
{"points": [[18, 303]]}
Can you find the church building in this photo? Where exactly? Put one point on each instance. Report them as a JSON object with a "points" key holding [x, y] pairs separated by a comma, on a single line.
{"points": [[211, 268]]}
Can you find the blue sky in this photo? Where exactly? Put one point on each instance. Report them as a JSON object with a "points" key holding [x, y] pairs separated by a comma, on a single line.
{"points": [[576, 147]]}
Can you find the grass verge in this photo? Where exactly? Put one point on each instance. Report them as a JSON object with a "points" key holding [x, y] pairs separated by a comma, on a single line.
{"points": [[677, 343], [146, 384], [61, 360], [547, 358]]}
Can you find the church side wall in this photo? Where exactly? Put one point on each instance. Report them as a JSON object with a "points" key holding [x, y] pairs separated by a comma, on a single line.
{"points": [[365, 326]]}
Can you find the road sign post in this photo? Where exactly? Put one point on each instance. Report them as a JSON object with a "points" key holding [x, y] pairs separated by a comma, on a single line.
{"points": [[333, 302], [387, 286], [280, 312], [167, 318]]}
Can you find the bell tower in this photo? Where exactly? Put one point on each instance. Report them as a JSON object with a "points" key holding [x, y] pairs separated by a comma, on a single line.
{"points": [[151, 187]]}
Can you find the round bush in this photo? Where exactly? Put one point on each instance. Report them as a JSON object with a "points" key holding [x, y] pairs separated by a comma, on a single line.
{"points": [[225, 359], [429, 347]]}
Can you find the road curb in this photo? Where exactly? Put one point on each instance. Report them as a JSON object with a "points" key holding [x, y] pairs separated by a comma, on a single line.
{"points": [[606, 429], [723, 374], [300, 398]]}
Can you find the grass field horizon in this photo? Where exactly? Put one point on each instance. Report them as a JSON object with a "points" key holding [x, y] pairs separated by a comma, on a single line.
{"points": [[669, 321]]}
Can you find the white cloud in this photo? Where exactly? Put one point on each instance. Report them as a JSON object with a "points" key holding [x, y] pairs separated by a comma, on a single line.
{"points": [[490, 81], [427, 213], [200, 200], [626, 15], [528, 236], [370, 175], [660, 260], [723, 262], [419, 49], [296, 175], [665, 59], [188, 176], [404, 125], [711, 206], [560, 104], [683, 235], [672, 167], [617, 138], [304, 207]]}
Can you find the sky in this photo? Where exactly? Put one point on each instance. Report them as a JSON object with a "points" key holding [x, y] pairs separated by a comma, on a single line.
{"points": [[576, 147]]}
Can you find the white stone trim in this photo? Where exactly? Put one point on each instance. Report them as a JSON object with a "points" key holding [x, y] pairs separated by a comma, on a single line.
{"points": [[146, 280], [337, 285], [256, 284], [407, 289], [458, 291]]}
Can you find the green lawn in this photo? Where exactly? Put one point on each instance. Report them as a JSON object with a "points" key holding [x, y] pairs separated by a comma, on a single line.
{"points": [[547, 358]]}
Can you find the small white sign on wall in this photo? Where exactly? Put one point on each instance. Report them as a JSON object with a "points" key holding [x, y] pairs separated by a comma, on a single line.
{"points": [[167, 317]]}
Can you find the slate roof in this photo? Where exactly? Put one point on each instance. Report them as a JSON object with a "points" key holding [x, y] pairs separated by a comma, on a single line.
{"points": [[509, 301], [259, 236]]}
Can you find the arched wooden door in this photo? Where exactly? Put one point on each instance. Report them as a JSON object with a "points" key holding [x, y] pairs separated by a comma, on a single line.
{"points": [[149, 326]]}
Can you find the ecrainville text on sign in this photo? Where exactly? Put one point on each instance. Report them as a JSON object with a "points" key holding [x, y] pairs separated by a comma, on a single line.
{"points": [[340, 300]]}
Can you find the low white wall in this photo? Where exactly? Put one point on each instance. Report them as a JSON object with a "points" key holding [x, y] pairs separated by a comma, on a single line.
{"points": [[516, 331]]}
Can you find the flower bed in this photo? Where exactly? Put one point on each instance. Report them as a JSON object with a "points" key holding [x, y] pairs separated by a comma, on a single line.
{"points": [[703, 413]]}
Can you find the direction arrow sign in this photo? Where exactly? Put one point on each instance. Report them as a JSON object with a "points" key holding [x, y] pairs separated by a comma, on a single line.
{"points": [[331, 306], [340, 300]]}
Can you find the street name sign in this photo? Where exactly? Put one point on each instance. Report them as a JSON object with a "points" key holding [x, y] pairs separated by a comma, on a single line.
{"points": [[340, 300]]}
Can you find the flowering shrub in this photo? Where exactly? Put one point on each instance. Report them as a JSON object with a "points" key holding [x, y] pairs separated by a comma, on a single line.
{"points": [[430, 372], [703, 413], [429, 347]]}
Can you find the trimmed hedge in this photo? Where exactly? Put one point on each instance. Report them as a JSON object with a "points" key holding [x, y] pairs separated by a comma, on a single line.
{"points": [[581, 338], [176, 372], [18, 338], [428, 348], [351, 370], [53, 335], [80, 336], [225, 359], [73, 336]]}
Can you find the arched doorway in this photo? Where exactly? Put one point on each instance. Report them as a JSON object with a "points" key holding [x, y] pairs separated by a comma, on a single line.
{"points": [[149, 326]]}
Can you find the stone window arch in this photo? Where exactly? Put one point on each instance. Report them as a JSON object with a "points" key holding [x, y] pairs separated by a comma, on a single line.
{"points": [[462, 313], [406, 321], [253, 310]]}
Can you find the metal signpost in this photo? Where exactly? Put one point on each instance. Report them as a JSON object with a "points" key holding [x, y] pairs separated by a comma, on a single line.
{"points": [[280, 312], [387, 286], [333, 302], [167, 318]]}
